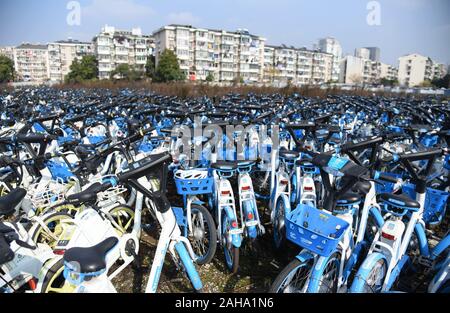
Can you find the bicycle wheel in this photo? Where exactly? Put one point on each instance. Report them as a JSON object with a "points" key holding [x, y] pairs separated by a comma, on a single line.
{"points": [[279, 233], [204, 234], [231, 252], [293, 278], [370, 276], [326, 279], [53, 222], [54, 281], [123, 217]]}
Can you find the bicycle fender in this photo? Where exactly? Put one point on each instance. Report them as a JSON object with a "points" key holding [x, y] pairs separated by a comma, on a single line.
{"points": [[363, 272]]}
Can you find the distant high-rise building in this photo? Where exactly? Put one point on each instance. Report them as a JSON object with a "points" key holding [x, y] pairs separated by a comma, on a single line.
{"points": [[332, 46], [362, 53], [31, 62], [374, 53]]}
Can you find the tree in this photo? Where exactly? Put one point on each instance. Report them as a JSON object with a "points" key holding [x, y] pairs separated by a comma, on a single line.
{"points": [[168, 68], [85, 69], [124, 71], [443, 82], [210, 77], [150, 67], [426, 83], [388, 82], [6, 69]]}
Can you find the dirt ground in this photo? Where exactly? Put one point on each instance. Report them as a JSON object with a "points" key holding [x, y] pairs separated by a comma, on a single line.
{"points": [[259, 263]]}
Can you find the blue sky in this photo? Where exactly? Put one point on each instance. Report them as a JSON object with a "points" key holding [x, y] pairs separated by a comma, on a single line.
{"points": [[407, 26]]}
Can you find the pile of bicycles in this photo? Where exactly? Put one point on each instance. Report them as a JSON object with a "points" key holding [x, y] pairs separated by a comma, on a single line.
{"points": [[355, 189]]}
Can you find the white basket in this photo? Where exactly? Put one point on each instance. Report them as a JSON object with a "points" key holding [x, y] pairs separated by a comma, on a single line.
{"points": [[45, 195], [110, 194]]}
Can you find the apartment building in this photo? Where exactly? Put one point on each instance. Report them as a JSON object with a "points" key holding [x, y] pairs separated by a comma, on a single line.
{"points": [[388, 72], [269, 69], [439, 70], [331, 45], [62, 53], [8, 52], [285, 62], [304, 66], [114, 47], [298, 66], [201, 52], [31, 62], [414, 69]]}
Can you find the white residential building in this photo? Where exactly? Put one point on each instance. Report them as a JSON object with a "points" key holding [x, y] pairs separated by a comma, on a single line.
{"points": [[8, 52], [270, 72], [360, 69], [113, 47], [414, 69], [63, 53], [332, 46], [298, 66], [285, 61], [31, 62], [202, 52], [388, 72], [439, 70], [352, 70]]}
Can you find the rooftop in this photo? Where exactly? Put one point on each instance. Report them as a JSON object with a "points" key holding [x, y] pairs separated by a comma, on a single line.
{"points": [[73, 41], [237, 32], [32, 46]]}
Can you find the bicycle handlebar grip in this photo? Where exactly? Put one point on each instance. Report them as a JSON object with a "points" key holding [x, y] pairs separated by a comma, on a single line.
{"points": [[385, 177]]}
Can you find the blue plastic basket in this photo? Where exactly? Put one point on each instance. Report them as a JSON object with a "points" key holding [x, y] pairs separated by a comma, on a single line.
{"points": [[59, 171], [315, 230], [387, 187], [194, 186], [435, 203]]}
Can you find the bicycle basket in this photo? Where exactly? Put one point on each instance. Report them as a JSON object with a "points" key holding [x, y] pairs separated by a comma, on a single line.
{"points": [[314, 230], [435, 203], [111, 193], [44, 195], [387, 187], [193, 182]]}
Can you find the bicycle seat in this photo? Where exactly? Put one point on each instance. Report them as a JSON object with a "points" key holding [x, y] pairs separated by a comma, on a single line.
{"points": [[82, 151], [399, 201], [224, 166], [289, 154], [88, 195], [349, 198], [91, 259], [9, 202]]}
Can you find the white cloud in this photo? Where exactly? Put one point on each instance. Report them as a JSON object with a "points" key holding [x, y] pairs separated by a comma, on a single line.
{"points": [[183, 18], [123, 9]]}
